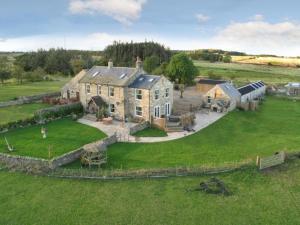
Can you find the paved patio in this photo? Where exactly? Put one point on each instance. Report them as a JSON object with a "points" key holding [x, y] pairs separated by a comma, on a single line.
{"points": [[202, 120]]}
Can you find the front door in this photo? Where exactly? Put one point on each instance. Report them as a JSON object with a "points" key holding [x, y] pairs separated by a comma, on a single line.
{"points": [[167, 109]]}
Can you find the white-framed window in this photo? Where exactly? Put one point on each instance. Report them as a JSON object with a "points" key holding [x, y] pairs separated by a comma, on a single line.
{"points": [[111, 91], [156, 94], [138, 94], [208, 99], [167, 94], [167, 109], [88, 88], [111, 108], [99, 90], [157, 111], [138, 111]]}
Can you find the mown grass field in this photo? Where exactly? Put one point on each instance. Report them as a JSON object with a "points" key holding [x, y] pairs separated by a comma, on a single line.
{"points": [[244, 73], [10, 91], [237, 137], [18, 112], [151, 132], [258, 199], [63, 136]]}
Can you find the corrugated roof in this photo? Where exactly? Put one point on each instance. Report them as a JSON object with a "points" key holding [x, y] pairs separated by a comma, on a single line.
{"points": [[210, 81], [118, 76], [145, 82]]}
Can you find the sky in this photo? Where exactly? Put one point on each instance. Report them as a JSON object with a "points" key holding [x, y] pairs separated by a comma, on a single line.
{"points": [[251, 26]]}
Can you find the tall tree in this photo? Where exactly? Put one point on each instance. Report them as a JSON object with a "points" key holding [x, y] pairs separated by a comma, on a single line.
{"points": [[182, 70], [5, 72], [151, 63]]}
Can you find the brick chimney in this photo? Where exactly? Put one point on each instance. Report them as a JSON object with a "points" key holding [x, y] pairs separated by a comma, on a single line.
{"points": [[139, 64], [110, 64]]}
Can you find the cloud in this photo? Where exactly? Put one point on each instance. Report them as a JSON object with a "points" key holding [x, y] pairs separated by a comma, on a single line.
{"points": [[258, 37], [2, 39], [201, 18], [258, 17], [123, 11]]}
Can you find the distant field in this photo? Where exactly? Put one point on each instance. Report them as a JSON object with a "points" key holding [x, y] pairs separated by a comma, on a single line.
{"points": [[14, 113], [275, 61], [258, 199], [243, 73], [11, 91]]}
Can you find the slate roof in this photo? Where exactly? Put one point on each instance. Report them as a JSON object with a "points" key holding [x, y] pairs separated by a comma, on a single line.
{"points": [[98, 101], [212, 82], [230, 90], [145, 82], [116, 76]]}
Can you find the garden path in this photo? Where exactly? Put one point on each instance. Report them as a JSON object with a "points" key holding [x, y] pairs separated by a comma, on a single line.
{"points": [[202, 121]]}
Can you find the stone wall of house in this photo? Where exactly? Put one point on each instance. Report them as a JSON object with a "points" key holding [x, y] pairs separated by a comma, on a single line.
{"points": [[144, 103], [139, 127], [28, 99], [162, 85], [103, 90]]}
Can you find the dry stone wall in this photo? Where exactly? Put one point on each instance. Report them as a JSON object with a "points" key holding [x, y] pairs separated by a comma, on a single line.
{"points": [[28, 99]]}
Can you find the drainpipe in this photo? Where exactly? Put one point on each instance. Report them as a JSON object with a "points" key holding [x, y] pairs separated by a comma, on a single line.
{"points": [[150, 106]]}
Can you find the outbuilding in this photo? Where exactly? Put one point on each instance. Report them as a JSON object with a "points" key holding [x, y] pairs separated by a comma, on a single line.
{"points": [[204, 85]]}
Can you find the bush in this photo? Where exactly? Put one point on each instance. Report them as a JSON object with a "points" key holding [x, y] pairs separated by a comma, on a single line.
{"points": [[213, 76], [59, 111]]}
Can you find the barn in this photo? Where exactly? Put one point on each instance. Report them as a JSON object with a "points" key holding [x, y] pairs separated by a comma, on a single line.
{"points": [[204, 85], [252, 91], [223, 97]]}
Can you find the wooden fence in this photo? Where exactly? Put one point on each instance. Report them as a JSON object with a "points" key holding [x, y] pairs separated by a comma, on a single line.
{"points": [[274, 160]]}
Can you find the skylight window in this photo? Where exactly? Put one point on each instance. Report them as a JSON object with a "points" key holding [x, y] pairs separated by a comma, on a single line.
{"points": [[95, 74], [123, 75], [141, 78], [151, 80]]}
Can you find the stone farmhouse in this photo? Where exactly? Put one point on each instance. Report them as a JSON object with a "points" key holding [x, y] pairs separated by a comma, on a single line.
{"points": [[71, 89], [126, 93]]}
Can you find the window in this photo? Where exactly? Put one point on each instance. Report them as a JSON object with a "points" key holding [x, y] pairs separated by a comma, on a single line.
{"points": [[156, 94], [88, 89], [167, 92], [167, 109], [208, 99], [138, 94], [138, 111], [99, 89], [111, 91], [112, 108], [157, 112]]}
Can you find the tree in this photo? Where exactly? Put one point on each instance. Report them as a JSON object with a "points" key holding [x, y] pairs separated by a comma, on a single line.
{"points": [[18, 73], [181, 69], [5, 73], [227, 59], [150, 63], [161, 70]]}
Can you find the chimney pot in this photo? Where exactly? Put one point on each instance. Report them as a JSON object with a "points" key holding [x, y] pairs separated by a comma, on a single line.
{"points": [[110, 64]]}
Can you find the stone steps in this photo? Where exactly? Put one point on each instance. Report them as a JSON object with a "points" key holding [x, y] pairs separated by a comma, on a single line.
{"points": [[90, 117]]}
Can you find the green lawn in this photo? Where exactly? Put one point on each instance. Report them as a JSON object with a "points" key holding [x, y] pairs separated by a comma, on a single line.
{"points": [[244, 73], [151, 132], [11, 91], [258, 199], [14, 113], [63, 136], [237, 137]]}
